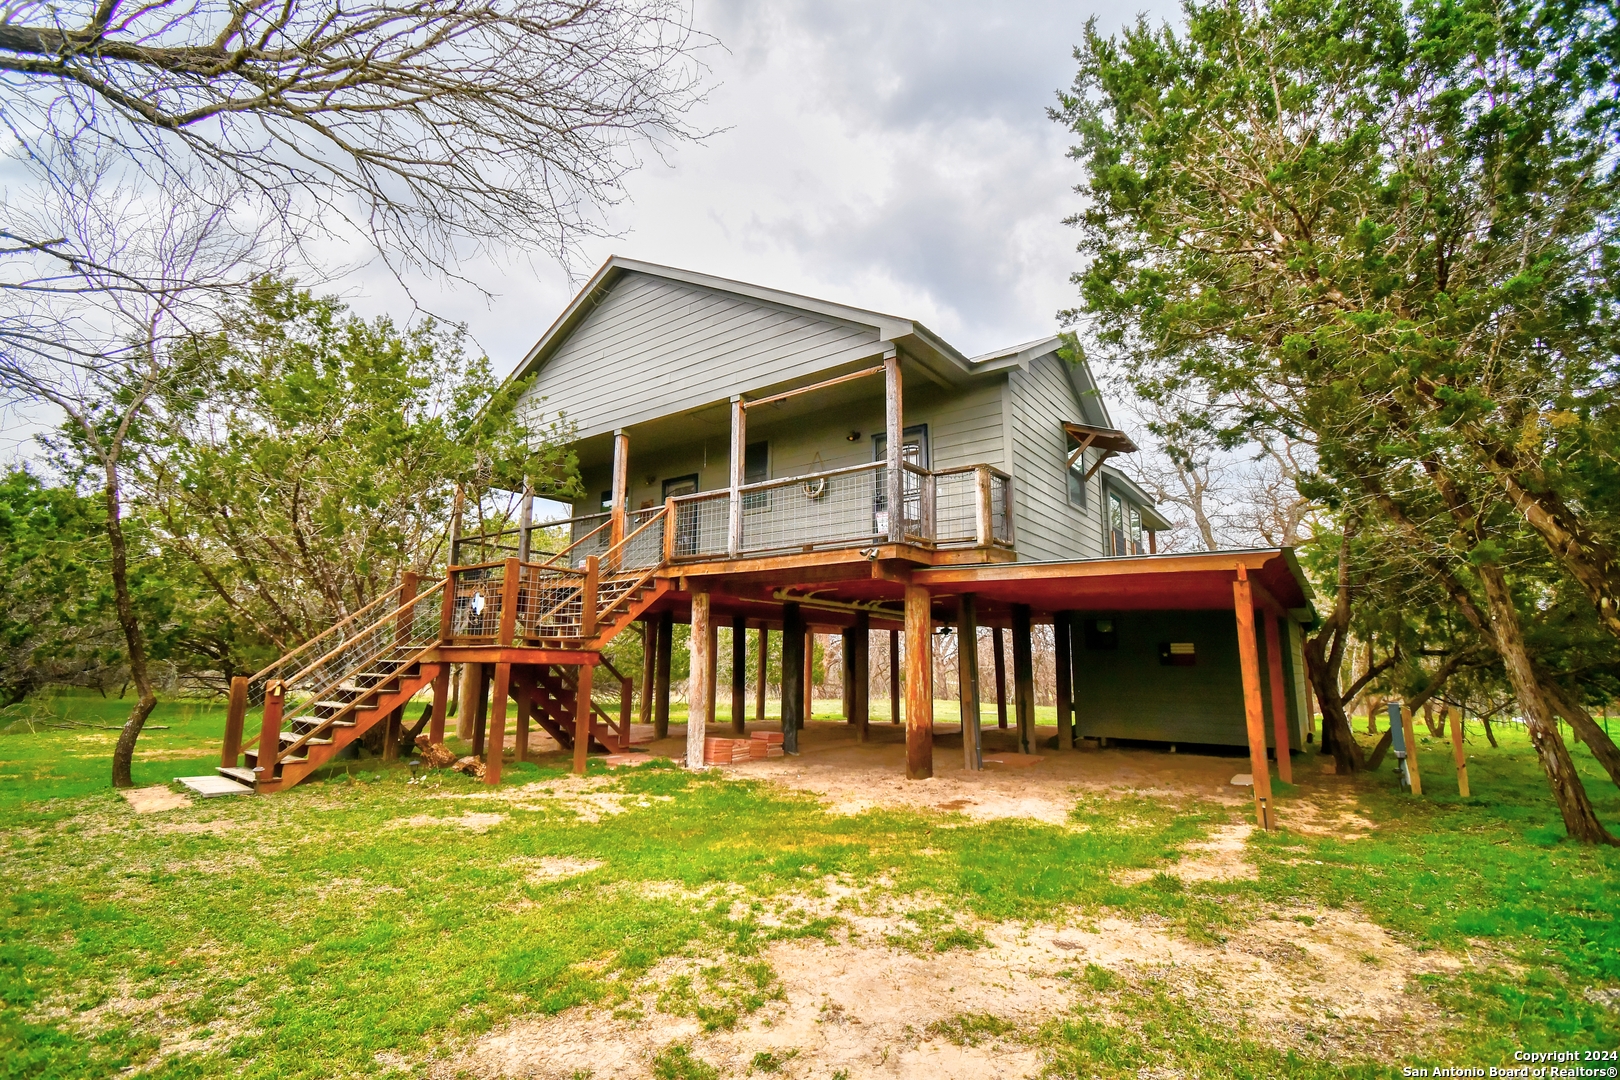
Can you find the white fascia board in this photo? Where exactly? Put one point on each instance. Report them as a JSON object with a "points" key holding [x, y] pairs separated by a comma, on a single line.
{"points": [[1142, 498]]}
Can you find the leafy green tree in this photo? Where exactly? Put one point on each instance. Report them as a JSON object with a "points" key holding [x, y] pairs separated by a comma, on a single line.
{"points": [[1388, 230], [317, 455]]}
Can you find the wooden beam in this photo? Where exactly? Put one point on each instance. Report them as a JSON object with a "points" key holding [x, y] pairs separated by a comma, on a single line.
{"points": [[764, 643], [235, 713], [497, 724], [792, 676], [895, 436], [582, 716], [1279, 699], [919, 684], [860, 691], [666, 642], [1457, 752], [739, 675], [967, 677], [894, 676], [1254, 713], [441, 704], [1000, 648], [824, 384], [700, 695], [1063, 665], [1023, 678], [621, 487], [1411, 749]]}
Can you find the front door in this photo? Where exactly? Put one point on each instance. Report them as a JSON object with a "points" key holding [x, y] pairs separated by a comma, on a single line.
{"points": [[686, 516]]}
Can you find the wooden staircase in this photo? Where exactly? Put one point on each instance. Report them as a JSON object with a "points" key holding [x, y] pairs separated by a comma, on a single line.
{"points": [[553, 698]]}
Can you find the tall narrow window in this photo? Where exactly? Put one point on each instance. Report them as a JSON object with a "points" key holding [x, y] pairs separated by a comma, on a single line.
{"points": [[756, 470], [1116, 525], [1136, 531]]}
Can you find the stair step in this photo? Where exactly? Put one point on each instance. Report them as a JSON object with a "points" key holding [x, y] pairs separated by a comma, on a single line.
{"points": [[241, 776], [290, 737], [315, 723], [338, 706]]}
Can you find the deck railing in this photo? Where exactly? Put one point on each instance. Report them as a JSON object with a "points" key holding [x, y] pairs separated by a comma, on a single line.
{"points": [[969, 506]]}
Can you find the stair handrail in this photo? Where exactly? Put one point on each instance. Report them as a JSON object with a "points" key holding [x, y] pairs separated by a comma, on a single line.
{"points": [[551, 563], [269, 759], [268, 669], [646, 575], [612, 556]]}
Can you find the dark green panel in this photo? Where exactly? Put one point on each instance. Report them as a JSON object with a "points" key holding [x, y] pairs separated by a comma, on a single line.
{"points": [[1128, 694]]}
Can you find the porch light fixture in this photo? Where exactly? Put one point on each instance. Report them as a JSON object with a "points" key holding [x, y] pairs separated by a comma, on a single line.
{"points": [[853, 436]]}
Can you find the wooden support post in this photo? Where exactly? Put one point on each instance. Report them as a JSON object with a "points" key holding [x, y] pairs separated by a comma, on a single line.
{"points": [[984, 526], [846, 681], [739, 453], [1411, 750], [497, 724], [447, 609], [477, 706], [894, 676], [391, 729], [967, 677], [739, 675], [764, 644], [522, 697], [627, 703], [270, 734], [235, 713], [1063, 670], [1076, 643], [582, 716], [1457, 751], [700, 689], [620, 489], [809, 677], [441, 704], [1254, 713], [666, 643], [1279, 698], [792, 676], [1000, 648], [860, 690], [1023, 678], [649, 657], [895, 436], [671, 518], [509, 602], [919, 684]]}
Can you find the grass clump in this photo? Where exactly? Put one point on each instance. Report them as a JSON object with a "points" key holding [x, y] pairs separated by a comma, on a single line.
{"points": [[971, 1029], [767, 1062], [677, 1062], [934, 931]]}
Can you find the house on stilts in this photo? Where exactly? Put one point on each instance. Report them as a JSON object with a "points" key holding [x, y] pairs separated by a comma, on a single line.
{"points": [[763, 460]]}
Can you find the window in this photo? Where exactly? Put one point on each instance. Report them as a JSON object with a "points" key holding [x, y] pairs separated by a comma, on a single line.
{"points": [[1077, 483], [1116, 524], [1136, 531], [756, 469], [676, 486], [607, 500]]}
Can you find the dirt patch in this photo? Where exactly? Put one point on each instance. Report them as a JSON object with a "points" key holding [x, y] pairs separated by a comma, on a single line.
{"points": [[585, 797], [150, 800], [1325, 814], [551, 868], [870, 1007], [1219, 858], [477, 823]]}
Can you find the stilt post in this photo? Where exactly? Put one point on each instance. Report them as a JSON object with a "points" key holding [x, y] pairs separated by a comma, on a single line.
{"points": [[739, 675], [497, 724], [860, 690], [809, 677], [763, 637], [1000, 648], [1023, 678], [700, 690], [846, 680], [441, 704], [270, 733], [792, 676], [919, 684], [666, 642], [582, 716], [649, 658], [1063, 670], [1279, 698], [1254, 713], [967, 661], [480, 707], [894, 676]]}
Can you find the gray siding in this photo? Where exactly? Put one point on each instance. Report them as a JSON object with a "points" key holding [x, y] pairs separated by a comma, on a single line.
{"points": [[652, 347], [1048, 527]]}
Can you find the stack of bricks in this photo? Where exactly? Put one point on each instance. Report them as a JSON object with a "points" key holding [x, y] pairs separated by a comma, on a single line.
{"points": [[766, 744], [722, 751]]}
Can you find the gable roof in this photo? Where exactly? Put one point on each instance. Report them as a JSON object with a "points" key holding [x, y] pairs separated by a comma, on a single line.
{"points": [[915, 339]]}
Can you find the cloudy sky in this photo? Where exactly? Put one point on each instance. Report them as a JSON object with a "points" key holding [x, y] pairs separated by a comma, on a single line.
{"points": [[892, 155]]}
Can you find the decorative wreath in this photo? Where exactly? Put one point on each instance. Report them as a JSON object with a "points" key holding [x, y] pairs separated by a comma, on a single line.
{"points": [[817, 487]]}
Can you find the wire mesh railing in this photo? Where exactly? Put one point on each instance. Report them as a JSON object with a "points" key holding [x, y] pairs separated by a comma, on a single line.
{"points": [[1001, 508], [831, 509], [701, 523], [475, 606], [643, 543], [286, 666], [409, 628], [550, 603], [956, 506]]}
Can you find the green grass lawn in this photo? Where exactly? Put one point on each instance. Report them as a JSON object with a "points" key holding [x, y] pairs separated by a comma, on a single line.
{"points": [[339, 929]]}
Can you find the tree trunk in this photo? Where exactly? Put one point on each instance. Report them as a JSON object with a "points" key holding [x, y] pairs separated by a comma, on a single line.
{"points": [[1337, 738], [134, 640], [1376, 758], [1490, 736], [1580, 821], [1597, 740]]}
